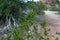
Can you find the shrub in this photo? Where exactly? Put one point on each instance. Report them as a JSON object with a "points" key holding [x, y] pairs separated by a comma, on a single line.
{"points": [[53, 8], [43, 23]]}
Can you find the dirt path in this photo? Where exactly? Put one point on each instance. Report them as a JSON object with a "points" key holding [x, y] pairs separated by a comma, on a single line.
{"points": [[53, 23]]}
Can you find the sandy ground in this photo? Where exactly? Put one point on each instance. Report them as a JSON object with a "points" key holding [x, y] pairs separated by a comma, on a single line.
{"points": [[53, 23]]}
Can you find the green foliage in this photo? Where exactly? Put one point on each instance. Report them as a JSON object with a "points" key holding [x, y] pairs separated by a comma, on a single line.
{"points": [[16, 34], [22, 32], [58, 33], [43, 23], [8, 37], [37, 7], [47, 38], [48, 29], [53, 8], [41, 38], [10, 7], [41, 6], [31, 4], [41, 13], [57, 38], [30, 15], [45, 32]]}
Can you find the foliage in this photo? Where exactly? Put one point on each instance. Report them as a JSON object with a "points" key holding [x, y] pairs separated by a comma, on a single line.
{"points": [[25, 21], [53, 8], [47, 38], [10, 7], [37, 7], [15, 34], [58, 33], [22, 32], [45, 32], [30, 15], [57, 38], [43, 23]]}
